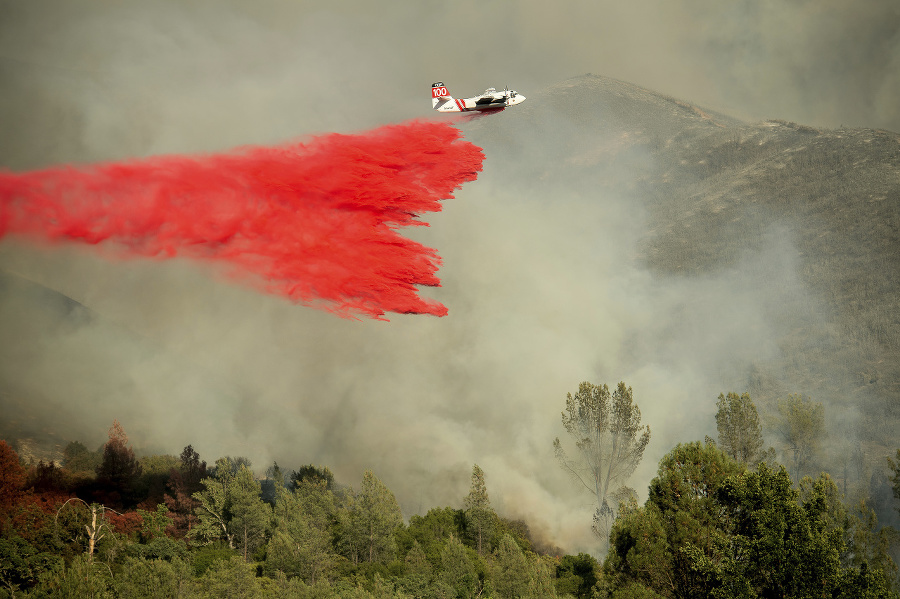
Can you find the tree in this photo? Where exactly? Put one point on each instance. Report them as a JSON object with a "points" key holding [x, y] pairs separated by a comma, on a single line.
{"points": [[12, 482], [511, 579], [119, 470], [233, 578], [576, 575], [21, 565], [311, 473], [213, 507], [895, 479], [140, 578], [182, 484], [432, 531], [375, 517], [301, 544], [231, 508], [740, 434], [710, 528], [193, 469], [540, 576], [479, 515], [457, 569], [96, 527], [800, 424], [82, 578], [250, 515], [78, 458], [789, 548], [155, 523], [417, 563], [610, 441], [47, 479]]}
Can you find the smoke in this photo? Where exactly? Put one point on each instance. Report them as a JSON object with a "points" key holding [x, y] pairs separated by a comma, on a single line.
{"points": [[542, 270], [315, 222]]}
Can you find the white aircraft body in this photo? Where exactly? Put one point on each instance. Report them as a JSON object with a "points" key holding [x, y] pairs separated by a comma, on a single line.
{"points": [[491, 99]]}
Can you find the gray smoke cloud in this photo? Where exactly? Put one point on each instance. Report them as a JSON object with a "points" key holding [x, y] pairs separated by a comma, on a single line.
{"points": [[545, 286]]}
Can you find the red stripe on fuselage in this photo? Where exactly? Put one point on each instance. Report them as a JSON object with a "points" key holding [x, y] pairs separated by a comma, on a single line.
{"points": [[461, 105]]}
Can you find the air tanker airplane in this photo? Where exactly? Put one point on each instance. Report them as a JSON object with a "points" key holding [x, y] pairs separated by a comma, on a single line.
{"points": [[491, 99]]}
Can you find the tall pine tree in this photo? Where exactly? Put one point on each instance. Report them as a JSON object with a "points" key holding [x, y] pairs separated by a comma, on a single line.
{"points": [[479, 515]]}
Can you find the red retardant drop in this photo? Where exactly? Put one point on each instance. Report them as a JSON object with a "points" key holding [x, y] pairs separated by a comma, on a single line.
{"points": [[315, 222]]}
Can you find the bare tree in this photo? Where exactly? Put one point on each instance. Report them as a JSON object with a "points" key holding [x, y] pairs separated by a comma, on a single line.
{"points": [[610, 442], [94, 529]]}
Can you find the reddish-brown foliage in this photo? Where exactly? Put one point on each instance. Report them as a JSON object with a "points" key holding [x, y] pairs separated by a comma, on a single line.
{"points": [[127, 523], [12, 482], [181, 505]]}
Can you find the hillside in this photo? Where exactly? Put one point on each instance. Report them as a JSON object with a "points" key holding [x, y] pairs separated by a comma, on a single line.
{"points": [[712, 189], [757, 257]]}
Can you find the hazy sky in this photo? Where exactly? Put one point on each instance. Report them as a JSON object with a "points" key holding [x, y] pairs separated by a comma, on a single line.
{"points": [[542, 294]]}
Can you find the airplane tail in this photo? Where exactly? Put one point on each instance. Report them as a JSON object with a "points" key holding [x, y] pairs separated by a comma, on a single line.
{"points": [[442, 100]]}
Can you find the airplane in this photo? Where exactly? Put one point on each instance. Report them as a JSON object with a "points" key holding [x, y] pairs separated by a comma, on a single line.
{"points": [[491, 99]]}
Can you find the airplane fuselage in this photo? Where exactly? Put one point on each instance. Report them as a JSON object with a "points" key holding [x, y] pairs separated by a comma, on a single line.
{"points": [[491, 99]]}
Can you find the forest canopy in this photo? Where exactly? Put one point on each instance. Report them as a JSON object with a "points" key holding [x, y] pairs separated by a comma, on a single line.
{"points": [[722, 519]]}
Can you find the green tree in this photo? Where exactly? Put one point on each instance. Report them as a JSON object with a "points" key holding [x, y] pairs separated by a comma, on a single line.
{"points": [[432, 531], [416, 561], [82, 578], [154, 523], [21, 565], [213, 510], [479, 515], [895, 479], [142, 578], [800, 424], [869, 545], [710, 528], [517, 529], [576, 575], [301, 544], [374, 518], [790, 550], [417, 580], [78, 458], [311, 473], [610, 442], [457, 569], [740, 434], [232, 578], [231, 509], [159, 465], [250, 515], [511, 580], [540, 576]]}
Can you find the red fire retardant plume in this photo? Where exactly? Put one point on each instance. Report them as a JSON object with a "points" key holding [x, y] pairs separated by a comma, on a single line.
{"points": [[315, 222]]}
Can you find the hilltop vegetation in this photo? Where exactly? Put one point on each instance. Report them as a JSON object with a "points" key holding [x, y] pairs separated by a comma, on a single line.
{"points": [[108, 524], [808, 217], [718, 522]]}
